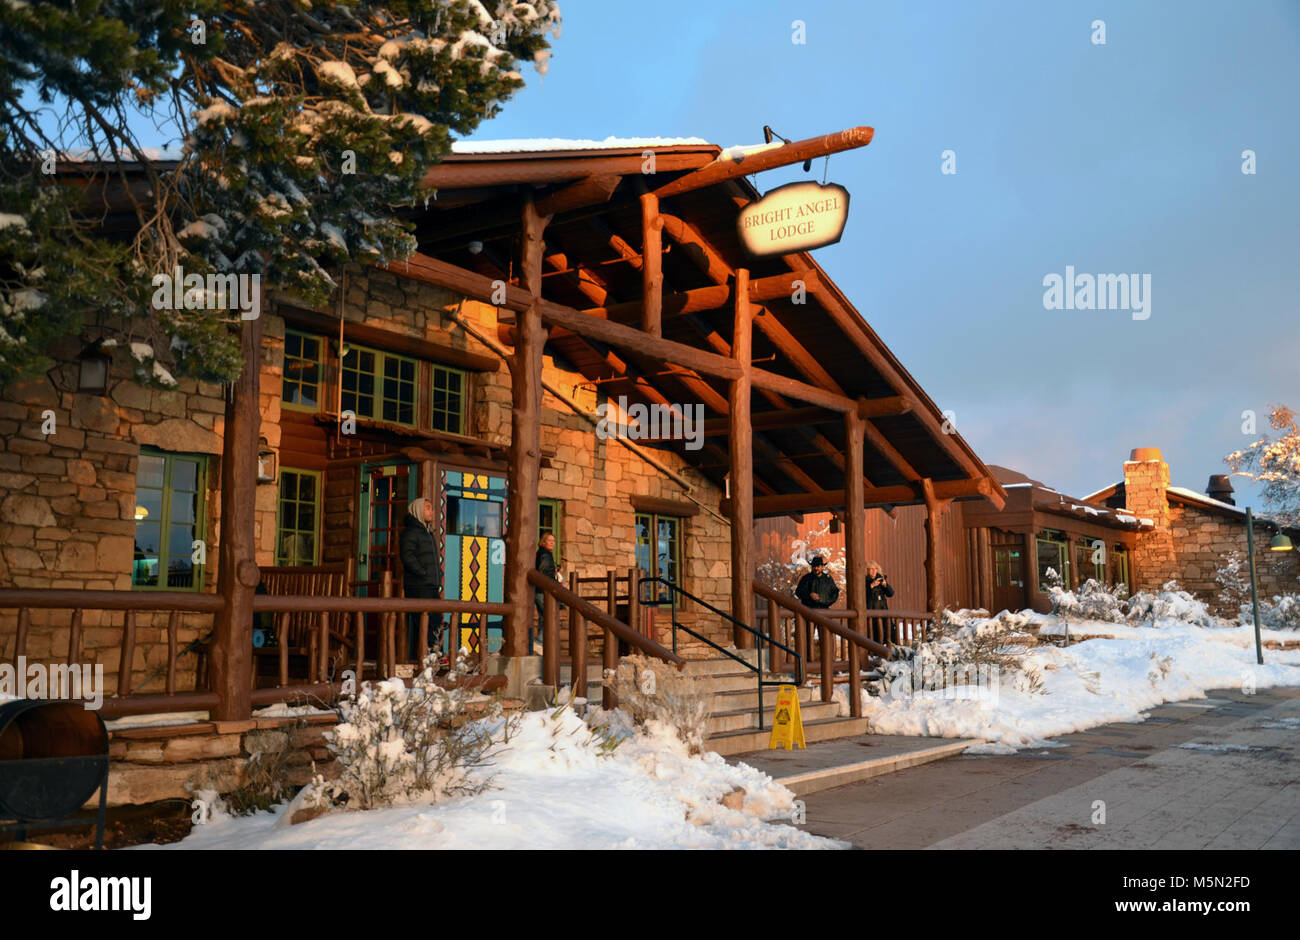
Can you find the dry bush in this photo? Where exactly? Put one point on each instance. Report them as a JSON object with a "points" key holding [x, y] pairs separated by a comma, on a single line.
{"points": [[650, 689]]}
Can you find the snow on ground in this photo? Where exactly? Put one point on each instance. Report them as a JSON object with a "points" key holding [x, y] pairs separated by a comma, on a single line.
{"points": [[1088, 684], [553, 789]]}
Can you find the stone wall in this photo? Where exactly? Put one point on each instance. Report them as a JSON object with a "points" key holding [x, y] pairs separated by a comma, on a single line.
{"points": [[67, 498], [1190, 542]]}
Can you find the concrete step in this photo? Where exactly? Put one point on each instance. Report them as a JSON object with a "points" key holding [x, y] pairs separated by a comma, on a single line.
{"points": [[746, 696], [747, 718], [751, 739]]}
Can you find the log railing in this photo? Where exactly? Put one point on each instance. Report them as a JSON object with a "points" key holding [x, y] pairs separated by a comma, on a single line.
{"points": [[322, 684], [813, 629], [581, 611]]}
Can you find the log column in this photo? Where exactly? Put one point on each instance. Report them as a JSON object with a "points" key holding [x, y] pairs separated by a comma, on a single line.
{"points": [[855, 545], [933, 588], [652, 274], [741, 445], [525, 438], [237, 571]]}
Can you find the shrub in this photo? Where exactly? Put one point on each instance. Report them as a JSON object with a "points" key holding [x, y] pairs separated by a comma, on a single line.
{"points": [[963, 650], [398, 745], [1170, 604], [652, 690]]}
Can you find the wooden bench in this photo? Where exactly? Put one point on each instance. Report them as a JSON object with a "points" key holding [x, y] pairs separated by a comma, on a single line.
{"points": [[301, 629]]}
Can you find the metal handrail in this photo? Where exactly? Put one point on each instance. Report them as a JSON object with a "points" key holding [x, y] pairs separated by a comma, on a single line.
{"points": [[675, 589]]}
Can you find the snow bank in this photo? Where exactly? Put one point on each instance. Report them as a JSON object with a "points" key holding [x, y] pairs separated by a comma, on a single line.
{"points": [[1091, 683], [553, 787]]}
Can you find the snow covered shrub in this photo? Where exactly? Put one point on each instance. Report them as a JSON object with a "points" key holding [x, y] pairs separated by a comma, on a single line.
{"points": [[1282, 612], [400, 745], [1170, 604], [652, 690], [963, 652], [264, 779], [1093, 601]]}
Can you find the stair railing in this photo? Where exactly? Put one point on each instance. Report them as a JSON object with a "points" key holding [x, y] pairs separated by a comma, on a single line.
{"points": [[828, 629], [675, 591], [581, 610]]}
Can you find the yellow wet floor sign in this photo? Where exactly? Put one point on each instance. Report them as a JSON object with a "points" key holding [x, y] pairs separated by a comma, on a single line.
{"points": [[787, 727]]}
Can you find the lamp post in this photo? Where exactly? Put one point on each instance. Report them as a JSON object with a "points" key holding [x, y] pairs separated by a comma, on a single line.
{"points": [[1279, 543]]}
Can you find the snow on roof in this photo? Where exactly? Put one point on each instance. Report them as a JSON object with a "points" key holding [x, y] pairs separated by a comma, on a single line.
{"points": [[539, 144], [1092, 496], [1206, 500]]}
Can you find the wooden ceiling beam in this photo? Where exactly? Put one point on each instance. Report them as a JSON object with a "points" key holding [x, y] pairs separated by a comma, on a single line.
{"points": [[589, 191], [830, 500], [730, 166]]}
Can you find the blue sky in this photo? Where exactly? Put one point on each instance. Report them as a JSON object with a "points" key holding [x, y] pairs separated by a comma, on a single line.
{"points": [[1123, 157]]}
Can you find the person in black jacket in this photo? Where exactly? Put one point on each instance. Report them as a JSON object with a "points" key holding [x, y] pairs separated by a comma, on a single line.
{"points": [[878, 589], [545, 563], [419, 553], [817, 589]]}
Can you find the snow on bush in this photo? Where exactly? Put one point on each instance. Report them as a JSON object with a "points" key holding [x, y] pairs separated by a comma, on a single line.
{"points": [[652, 690], [965, 652], [1170, 603], [398, 745], [1092, 601], [1282, 612], [782, 573]]}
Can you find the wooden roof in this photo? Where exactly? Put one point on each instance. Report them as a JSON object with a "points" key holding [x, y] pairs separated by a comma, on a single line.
{"points": [[593, 264]]}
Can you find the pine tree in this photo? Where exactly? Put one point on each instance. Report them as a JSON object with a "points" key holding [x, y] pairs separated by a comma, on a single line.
{"points": [[304, 128]]}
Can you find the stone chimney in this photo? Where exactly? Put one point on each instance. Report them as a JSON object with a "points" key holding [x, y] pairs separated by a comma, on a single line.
{"points": [[1146, 495]]}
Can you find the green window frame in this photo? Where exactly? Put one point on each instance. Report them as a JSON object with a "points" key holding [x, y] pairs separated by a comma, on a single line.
{"points": [[1053, 552], [449, 396], [379, 385], [297, 517], [302, 381], [665, 559], [171, 514], [550, 521]]}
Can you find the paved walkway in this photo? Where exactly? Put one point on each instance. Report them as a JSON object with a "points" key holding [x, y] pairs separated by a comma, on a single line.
{"points": [[1222, 772], [826, 764]]}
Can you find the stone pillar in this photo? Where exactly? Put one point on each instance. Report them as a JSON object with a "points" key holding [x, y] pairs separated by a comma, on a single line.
{"points": [[1146, 485]]}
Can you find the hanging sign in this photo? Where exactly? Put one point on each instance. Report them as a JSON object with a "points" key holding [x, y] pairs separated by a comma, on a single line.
{"points": [[787, 726], [794, 217]]}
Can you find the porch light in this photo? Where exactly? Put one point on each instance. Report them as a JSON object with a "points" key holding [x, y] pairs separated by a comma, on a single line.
{"points": [[141, 513], [92, 369], [1280, 543], [266, 462]]}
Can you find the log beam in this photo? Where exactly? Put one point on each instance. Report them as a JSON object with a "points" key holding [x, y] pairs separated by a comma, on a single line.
{"points": [[741, 448], [855, 541], [652, 273], [589, 191], [727, 167], [525, 438], [873, 496]]}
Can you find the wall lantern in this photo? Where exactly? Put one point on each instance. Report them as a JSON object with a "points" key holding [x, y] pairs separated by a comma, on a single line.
{"points": [[92, 370], [1280, 543], [266, 462]]}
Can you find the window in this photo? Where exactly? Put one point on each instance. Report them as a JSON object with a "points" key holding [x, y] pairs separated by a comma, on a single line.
{"points": [[1007, 568], [169, 504], [550, 522], [378, 385], [1053, 553], [302, 372], [1119, 566], [297, 513], [449, 400], [1084, 564], [658, 546]]}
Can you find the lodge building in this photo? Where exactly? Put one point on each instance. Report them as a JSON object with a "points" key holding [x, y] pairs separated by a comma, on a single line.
{"points": [[221, 548]]}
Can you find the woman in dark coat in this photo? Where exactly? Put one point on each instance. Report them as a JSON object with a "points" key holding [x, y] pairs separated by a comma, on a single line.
{"points": [[419, 551], [878, 594]]}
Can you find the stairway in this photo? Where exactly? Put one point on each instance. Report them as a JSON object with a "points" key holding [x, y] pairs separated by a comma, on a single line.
{"points": [[733, 726]]}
